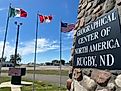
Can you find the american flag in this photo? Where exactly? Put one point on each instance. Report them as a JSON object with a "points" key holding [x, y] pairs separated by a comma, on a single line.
{"points": [[65, 27]]}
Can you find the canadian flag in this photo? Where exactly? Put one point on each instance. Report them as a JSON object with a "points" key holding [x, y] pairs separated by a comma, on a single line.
{"points": [[46, 19]]}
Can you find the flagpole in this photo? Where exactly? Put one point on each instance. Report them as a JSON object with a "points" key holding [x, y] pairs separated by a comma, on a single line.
{"points": [[6, 30], [36, 35], [60, 56]]}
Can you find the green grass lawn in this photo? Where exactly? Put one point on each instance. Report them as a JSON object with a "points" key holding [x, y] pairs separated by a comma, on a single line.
{"points": [[39, 86], [5, 89], [49, 72], [4, 79], [43, 86]]}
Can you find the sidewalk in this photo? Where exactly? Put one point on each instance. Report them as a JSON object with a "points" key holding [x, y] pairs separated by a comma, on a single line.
{"points": [[15, 87]]}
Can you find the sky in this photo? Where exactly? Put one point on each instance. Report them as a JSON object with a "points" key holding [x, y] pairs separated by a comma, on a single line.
{"points": [[48, 47]]}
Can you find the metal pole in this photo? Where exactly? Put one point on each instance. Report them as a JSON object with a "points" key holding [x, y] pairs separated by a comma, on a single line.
{"points": [[60, 57], [33, 86], [6, 30], [18, 27]]}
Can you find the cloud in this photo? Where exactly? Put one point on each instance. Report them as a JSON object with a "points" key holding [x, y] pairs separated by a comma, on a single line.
{"points": [[8, 49], [28, 47], [43, 45], [1, 9], [70, 35], [2, 30]]}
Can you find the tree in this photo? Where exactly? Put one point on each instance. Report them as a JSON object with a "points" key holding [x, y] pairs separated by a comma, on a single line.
{"points": [[17, 61], [48, 63], [3, 59], [57, 62], [63, 62]]}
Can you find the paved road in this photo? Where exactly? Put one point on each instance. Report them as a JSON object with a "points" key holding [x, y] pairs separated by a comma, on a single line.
{"points": [[49, 78], [42, 68]]}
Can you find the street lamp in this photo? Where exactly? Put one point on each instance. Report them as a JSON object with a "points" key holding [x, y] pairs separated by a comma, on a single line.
{"points": [[18, 27]]}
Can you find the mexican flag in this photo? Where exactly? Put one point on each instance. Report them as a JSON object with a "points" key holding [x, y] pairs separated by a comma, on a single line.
{"points": [[17, 12]]}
